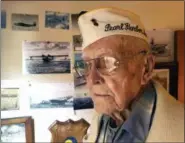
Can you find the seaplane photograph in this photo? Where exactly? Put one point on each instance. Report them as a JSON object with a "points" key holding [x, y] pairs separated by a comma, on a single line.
{"points": [[40, 57], [25, 22]]}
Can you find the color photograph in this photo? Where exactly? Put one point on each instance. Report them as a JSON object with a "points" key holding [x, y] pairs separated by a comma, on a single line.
{"points": [[57, 20], [25, 22], [3, 19], [162, 44], [41, 57], [162, 76], [77, 42], [51, 95], [9, 99]]}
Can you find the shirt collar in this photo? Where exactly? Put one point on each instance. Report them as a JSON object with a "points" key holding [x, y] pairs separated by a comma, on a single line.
{"points": [[138, 122]]}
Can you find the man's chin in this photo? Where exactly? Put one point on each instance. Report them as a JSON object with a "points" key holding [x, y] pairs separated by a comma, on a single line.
{"points": [[106, 111]]}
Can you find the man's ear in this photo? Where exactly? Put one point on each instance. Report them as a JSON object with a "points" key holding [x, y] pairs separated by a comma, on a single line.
{"points": [[147, 69]]}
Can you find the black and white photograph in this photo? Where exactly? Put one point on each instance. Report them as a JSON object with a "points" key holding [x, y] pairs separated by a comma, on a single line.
{"points": [[57, 20], [44, 57], [79, 81], [3, 19], [77, 42], [51, 95], [162, 44], [162, 76], [13, 133], [9, 99], [25, 22]]}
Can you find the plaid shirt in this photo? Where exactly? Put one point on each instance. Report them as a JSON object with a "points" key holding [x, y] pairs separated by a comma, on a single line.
{"points": [[137, 126]]}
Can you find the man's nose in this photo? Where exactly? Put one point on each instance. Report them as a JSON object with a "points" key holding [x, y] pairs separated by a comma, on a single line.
{"points": [[95, 76]]}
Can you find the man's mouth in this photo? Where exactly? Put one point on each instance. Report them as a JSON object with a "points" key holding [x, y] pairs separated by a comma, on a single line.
{"points": [[101, 95]]}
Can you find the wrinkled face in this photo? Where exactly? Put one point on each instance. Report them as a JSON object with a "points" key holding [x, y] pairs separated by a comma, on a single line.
{"points": [[113, 92]]}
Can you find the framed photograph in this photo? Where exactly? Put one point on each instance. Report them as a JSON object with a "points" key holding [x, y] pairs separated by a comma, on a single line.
{"points": [[51, 95], [77, 42], [25, 22], [162, 76], [9, 99], [19, 129], [3, 19], [57, 20], [172, 67], [41, 57], [162, 44]]}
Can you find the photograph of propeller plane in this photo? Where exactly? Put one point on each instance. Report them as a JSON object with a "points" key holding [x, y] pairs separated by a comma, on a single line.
{"points": [[46, 57], [25, 22]]}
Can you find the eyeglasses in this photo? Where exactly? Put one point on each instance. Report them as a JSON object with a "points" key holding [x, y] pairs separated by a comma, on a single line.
{"points": [[105, 65]]}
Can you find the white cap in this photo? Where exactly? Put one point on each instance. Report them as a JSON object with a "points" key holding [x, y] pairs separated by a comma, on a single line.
{"points": [[104, 22]]}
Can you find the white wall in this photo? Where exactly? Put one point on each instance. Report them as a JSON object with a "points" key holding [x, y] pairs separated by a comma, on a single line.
{"points": [[166, 14]]}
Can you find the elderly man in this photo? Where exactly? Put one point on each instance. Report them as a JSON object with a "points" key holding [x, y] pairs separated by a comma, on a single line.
{"points": [[130, 107]]}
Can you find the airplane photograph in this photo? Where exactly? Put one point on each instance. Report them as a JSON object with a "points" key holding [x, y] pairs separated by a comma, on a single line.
{"points": [[46, 57], [25, 22], [162, 44], [51, 95]]}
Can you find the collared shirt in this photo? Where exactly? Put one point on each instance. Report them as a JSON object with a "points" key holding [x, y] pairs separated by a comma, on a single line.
{"points": [[136, 127]]}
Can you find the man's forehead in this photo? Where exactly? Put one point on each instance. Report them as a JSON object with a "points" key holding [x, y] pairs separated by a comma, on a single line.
{"points": [[108, 46]]}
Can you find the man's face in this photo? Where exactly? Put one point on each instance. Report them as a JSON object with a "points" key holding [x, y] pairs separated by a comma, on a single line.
{"points": [[113, 92]]}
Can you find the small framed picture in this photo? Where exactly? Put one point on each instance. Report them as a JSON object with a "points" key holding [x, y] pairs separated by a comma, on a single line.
{"points": [[163, 70], [25, 22], [19, 129], [162, 44], [9, 99], [57, 20]]}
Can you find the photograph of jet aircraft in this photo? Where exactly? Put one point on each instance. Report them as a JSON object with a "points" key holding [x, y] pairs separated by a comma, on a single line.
{"points": [[41, 57], [57, 20], [25, 22]]}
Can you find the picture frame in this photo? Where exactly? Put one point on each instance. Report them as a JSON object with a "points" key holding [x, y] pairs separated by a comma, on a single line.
{"points": [[19, 129], [173, 76], [162, 43], [25, 22], [10, 99], [46, 57]]}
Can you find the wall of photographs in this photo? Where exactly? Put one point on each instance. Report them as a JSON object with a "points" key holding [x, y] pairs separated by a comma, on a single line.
{"points": [[41, 43]]}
